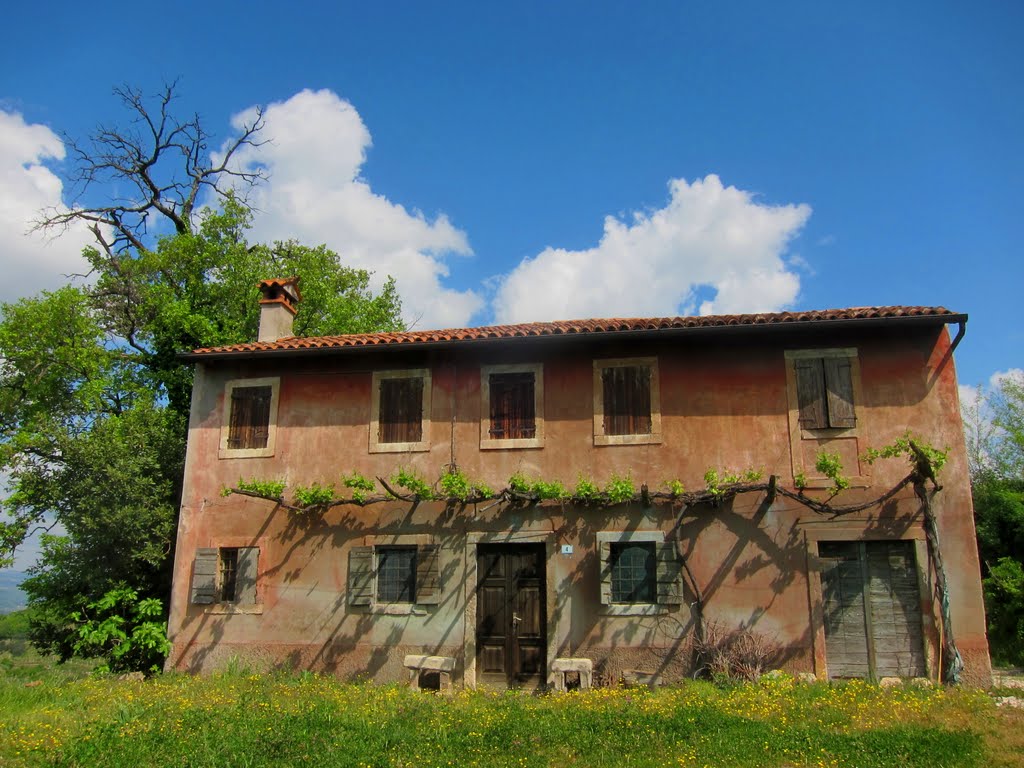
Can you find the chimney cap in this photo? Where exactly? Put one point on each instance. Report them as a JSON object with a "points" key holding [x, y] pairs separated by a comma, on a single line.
{"points": [[281, 290]]}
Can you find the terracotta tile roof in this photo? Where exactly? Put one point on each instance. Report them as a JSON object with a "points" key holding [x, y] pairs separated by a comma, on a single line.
{"points": [[580, 327]]}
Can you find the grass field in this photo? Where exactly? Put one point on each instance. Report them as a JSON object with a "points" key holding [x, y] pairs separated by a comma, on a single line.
{"points": [[59, 716]]}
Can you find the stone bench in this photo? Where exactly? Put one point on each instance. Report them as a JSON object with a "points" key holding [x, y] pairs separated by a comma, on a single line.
{"points": [[583, 667], [442, 666]]}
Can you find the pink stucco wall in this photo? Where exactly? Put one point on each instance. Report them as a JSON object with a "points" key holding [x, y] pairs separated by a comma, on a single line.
{"points": [[724, 403]]}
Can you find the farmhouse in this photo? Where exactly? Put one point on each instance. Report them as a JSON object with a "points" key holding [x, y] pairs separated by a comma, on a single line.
{"points": [[698, 458]]}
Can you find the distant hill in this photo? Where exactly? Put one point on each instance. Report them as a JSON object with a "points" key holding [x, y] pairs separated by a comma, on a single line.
{"points": [[11, 597]]}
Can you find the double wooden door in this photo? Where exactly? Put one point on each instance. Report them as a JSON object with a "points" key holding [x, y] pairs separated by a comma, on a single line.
{"points": [[872, 609], [511, 637]]}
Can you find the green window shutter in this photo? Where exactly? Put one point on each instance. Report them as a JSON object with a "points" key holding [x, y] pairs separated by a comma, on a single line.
{"points": [[839, 384], [428, 575], [360, 576], [204, 577], [605, 550], [810, 391], [669, 573], [245, 576]]}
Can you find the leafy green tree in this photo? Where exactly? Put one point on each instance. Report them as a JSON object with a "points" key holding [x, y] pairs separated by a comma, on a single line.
{"points": [[996, 445], [94, 399]]}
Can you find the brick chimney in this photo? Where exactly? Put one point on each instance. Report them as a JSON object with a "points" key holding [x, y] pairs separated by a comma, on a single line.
{"points": [[278, 307]]}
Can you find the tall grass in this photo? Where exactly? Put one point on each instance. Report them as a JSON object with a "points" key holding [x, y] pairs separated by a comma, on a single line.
{"points": [[251, 720]]}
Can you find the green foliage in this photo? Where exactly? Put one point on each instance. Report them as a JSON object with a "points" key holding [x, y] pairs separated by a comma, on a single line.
{"points": [[15, 625], [314, 495], [456, 485], [271, 489], [1004, 604], [800, 480], [901, 447], [619, 489], [586, 490], [831, 466], [360, 485], [94, 399], [542, 489], [518, 483], [414, 483], [716, 483], [675, 487], [127, 632], [549, 489]]}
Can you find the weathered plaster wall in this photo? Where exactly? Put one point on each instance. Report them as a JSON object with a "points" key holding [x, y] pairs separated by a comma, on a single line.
{"points": [[724, 404]]}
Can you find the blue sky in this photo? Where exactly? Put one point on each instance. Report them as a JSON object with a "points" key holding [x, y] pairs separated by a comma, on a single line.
{"points": [[552, 160]]}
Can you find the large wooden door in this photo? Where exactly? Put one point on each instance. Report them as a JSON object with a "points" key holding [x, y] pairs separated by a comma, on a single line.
{"points": [[511, 642], [872, 609]]}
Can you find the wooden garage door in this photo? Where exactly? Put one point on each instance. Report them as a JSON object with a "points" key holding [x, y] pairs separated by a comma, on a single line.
{"points": [[872, 609]]}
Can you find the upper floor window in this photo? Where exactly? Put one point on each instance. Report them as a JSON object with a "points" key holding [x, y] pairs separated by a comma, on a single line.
{"points": [[399, 411], [824, 388], [250, 415], [512, 406], [627, 402]]}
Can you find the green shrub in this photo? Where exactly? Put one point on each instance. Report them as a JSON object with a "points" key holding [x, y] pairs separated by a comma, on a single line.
{"points": [[128, 633]]}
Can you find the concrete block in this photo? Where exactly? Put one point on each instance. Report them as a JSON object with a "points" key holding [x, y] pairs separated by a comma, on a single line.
{"points": [[583, 667]]}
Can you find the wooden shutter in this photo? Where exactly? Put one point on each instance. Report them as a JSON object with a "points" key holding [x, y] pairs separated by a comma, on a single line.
{"points": [[204, 576], [605, 550], [360, 576], [400, 418], [250, 417], [512, 406], [245, 575], [669, 573], [627, 400], [428, 575], [839, 385], [810, 391]]}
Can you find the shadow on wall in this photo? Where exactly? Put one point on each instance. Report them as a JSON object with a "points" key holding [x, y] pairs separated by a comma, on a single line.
{"points": [[753, 549]]}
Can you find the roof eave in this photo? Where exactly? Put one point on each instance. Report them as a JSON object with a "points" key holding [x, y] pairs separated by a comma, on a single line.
{"points": [[749, 328]]}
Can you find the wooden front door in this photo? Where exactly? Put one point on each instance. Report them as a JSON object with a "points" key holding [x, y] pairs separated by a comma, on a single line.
{"points": [[872, 609], [511, 642]]}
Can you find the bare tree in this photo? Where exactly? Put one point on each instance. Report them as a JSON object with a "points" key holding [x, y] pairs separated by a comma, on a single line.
{"points": [[162, 161]]}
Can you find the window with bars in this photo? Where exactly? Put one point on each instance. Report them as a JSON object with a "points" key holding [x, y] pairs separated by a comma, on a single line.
{"points": [[512, 406], [633, 575], [384, 575], [227, 572], [249, 425], [396, 574], [225, 576]]}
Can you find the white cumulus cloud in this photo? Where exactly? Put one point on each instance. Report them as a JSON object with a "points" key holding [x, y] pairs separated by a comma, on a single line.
{"points": [[316, 145], [709, 240], [31, 261]]}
